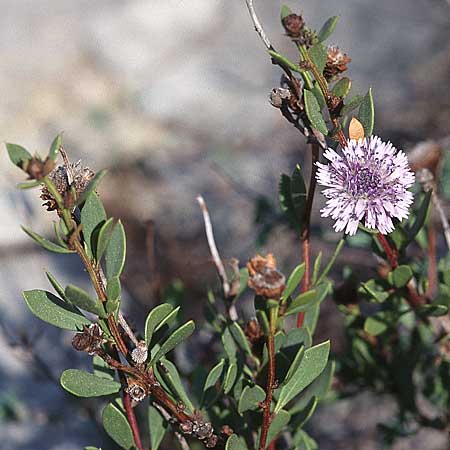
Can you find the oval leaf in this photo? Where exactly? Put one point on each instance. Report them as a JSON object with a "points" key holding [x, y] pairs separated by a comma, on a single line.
{"points": [[18, 155], [155, 316], [235, 442], [178, 336], [54, 148], [45, 243], [328, 27], [342, 87], [83, 300], [313, 112], [93, 216], [366, 113], [116, 251], [90, 187], [157, 426], [54, 311], [104, 236], [117, 427], [251, 398], [230, 378], [293, 281], [85, 384]]}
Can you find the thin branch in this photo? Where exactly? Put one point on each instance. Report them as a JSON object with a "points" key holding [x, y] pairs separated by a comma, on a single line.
{"points": [[213, 248], [258, 27]]}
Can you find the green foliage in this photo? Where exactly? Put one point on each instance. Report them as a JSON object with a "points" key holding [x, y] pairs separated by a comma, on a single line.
{"points": [[18, 155], [313, 112], [366, 113], [44, 243], [83, 300], [116, 251], [328, 28], [117, 427], [84, 384]]}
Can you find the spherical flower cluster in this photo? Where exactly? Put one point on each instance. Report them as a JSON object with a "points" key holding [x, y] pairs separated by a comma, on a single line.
{"points": [[368, 182]]}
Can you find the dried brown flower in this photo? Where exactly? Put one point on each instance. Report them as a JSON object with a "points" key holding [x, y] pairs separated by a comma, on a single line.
{"points": [[140, 353], [264, 277], [278, 96], [293, 24], [64, 177], [336, 63], [253, 331], [137, 391], [89, 340]]}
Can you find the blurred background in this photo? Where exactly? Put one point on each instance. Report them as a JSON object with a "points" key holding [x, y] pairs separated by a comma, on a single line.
{"points": [[171, 96]]}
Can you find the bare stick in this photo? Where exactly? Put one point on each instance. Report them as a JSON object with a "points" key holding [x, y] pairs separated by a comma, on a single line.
{"points": [[213, 249], [257, 24]]}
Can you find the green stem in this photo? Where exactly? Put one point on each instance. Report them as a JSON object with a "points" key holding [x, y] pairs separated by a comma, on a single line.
{"points": [[331, 261]]}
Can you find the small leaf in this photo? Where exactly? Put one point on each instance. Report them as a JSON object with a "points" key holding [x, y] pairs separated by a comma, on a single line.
{"points": [[250, 398], [116, 251], [280, 420], [355, 130], [85, 384], [54, 148], [54, 311], [28, 184], [342, 87], [56, 286], [104, 236], [327, 29], [295, 363], [230, 378], [173, 380], [18, 155], [366, 114], [374, 327], [117, 427], [316, 269], [101, 369], [434, 310], [308, 299], [93, 216], [235, 442], [421, 216], [285, 11], [318, 54], [285, 198], [214, 375], [293, 281], [44, 243], [313, 112], [401, 275], [240, 338], [229, 345], [90, 187], [311, 366], [155, 316], [353, 103], [304, 415], [319, 96], [83, 300], [298, 196], [157, 426], [169, 319], [178, 336], [113, 293]]}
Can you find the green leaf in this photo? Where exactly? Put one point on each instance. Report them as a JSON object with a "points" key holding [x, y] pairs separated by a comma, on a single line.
{"points": [[90, 187], [44, 243], [83, 300], [113, 293], [318, 54], [173, 380], [285, 11], [229, 345], [293, 281], [54, 148], [56, 286], [401, 275], [374, 327], [319, 96], [214, 375], [116, 251], [251, 398], [178, 336], [240, 338], [18, 155], [101, 369], [313, 112], [433, 310], [304, 415], [311, 366], [353, 103], [235, 442], [93, 216], [280, 420], [308, 299], [85, 384], [330, 264], [342, 87], [285, 198], [230, 378], [298, 196], [91, 448], [157, 426], [54, 311], [327, 29], [169, 319], [28, 184], [421, 216], [366, 114], [316, 269], [104, 235], [155, 316], [117, 427], [295, 363]]}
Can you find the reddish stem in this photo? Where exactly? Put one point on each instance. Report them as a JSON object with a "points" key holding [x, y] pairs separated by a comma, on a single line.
{"points": [[391, 254], [132, 420], [432, 268]]}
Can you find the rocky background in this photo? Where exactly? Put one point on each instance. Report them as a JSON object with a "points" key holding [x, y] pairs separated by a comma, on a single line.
{"points": [[171, 97]]}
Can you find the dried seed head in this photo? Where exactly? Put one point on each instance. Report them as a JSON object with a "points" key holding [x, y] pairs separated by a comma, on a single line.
{"points": [[136, 391], [140, 353], [279, 95], [89, 340], [64, 178], [293, 24], [186, 427], [336, 63], [211, 441], [202, 430], [264, 278]]}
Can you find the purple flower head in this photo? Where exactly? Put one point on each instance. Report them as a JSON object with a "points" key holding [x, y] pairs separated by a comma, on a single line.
{"points": [[369, 182]]}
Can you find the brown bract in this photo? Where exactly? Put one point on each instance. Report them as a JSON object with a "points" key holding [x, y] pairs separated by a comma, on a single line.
{"points": [[264, 278], [336, 63], [293, 24], [89, 340]]}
